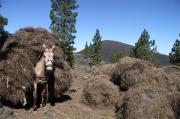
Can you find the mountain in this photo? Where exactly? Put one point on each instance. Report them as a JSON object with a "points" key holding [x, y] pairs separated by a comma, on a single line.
{"points": [[110, 47]]}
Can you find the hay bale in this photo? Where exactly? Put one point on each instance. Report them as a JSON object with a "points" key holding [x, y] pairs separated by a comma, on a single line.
{"points": [[150, 92], [173, 74], [145, 103], [135, 72], [100, 93], [175, 103], [172, 71], [128, 60], [63, 79], [19, 57], [106, 69]]}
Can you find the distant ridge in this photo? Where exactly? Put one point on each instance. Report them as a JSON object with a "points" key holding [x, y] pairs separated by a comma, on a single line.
{"points": [[110, 47]]}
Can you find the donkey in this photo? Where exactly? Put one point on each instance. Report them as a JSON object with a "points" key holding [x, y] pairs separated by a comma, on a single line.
{"points": [[43, 69]]}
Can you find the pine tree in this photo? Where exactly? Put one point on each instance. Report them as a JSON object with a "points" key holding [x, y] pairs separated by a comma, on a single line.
{"points": [[145, 49], [63, 17], [91, 50], [97, 48], [3, 21], [3, 34], [174, 56], [86, 51]]}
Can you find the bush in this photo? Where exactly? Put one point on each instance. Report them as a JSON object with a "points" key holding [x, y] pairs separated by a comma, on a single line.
{"points": [[115, 57]]}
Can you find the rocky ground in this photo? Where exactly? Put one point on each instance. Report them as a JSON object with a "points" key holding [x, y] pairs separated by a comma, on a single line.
{"points": [[6, 113]]}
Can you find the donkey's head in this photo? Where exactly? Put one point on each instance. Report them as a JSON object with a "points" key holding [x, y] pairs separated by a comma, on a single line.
{"points": [[48, 58]]}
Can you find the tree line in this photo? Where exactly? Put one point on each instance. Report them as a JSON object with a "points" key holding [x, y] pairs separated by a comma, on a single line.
{"points": [[63, 16], [144, 49]]}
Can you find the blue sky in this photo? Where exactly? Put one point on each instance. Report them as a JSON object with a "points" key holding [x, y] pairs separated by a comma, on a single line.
{"points": [[120, 20]]}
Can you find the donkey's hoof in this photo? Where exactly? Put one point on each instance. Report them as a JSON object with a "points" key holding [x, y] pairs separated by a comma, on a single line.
{"points": [[53, 104], [43, 105], [34, 108]]}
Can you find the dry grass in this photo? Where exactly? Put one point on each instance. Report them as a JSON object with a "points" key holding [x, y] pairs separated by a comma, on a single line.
{"points": [[100, 93], [145, 103], [149, 92], [106, 69]]}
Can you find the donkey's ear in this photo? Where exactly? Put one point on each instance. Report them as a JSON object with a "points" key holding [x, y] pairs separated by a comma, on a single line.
{"points": [[44, 46], [53, 47]]}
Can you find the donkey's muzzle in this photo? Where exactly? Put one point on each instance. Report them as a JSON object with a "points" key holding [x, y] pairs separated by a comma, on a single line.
{"points": [[49, 68]]}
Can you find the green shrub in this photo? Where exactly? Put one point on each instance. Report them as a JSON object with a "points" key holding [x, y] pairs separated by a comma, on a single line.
{"points": [[115, 57]]}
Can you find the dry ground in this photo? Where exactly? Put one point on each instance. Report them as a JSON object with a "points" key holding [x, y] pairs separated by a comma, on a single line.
{"points": [[70, 107]]}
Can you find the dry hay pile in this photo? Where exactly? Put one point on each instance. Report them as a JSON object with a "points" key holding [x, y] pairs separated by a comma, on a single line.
{"points": [[105, 72], [144, 103], [173, 74], [106, 69], [18, 57], [133, 73], [148, 92], [100, 93], [175, 103]]}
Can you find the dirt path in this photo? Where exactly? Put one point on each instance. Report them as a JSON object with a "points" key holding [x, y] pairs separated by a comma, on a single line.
{"points": [[71, 107]]}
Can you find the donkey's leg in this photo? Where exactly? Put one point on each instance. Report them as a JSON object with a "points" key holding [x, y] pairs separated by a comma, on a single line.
{"points": [[51, 91], [47, 93], [43, 95], [53, 97], [35, 96]]}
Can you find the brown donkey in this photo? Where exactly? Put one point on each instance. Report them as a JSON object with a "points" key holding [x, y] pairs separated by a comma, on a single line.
{"points": [[43, 70]]}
